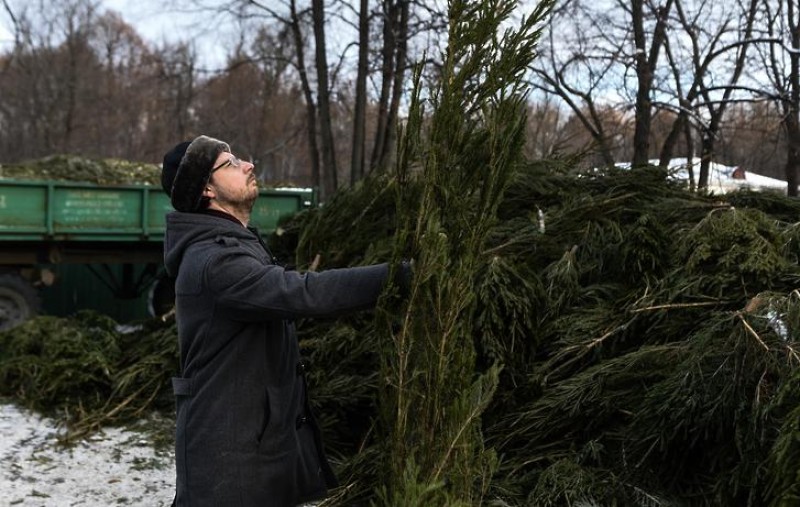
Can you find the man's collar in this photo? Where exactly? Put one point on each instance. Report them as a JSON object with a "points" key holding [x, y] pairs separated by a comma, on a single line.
{"points": [[221, 214]]}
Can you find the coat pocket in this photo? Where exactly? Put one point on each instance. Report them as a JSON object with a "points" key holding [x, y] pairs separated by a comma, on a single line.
{"points": [[267, 416], [279, 422]]}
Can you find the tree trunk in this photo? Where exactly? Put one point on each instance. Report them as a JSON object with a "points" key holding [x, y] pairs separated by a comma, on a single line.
{"points": [[668, 148], [716, 114], [687, 133], [706, 155], [793, 156], [645, 68], [70, 91], [357, 158], [329, 177], [311, 108], [179, 67], [791, 119], [387, 66], [401, 45], [644, 75]]}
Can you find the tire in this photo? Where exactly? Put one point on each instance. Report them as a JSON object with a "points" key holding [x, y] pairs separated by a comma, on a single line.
{"points": [[19, 300]]}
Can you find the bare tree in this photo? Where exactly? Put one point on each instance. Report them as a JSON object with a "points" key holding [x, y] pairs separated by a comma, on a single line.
{"points": [[17, 28], [178, 75], [592, 50], [276, 139], [393, 64], [119, 109], [360, 109], [754, 138], [646, 61], [545, 136], [718, 37], [311, 107], [716, 107], [51, 74], [791, 107], [330, 180], [781, 60], [381, 29], [576, 64]]}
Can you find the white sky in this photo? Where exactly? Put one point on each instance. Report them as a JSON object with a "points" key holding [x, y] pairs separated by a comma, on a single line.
{"points": [[6, 37], [160, 21], [157, 21]]}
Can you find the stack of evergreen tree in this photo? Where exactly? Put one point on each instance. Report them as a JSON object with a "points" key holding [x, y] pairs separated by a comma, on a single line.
{"points": [[107, 171], [600, 338], [88, 372], [647, 337]]}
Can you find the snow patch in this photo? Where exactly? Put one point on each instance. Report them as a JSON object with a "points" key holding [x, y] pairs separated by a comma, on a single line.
{"points": [[114, 467], [721, 178]]}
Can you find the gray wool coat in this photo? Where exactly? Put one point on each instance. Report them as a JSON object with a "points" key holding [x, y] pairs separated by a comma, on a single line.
{"points": [[245, 435]]}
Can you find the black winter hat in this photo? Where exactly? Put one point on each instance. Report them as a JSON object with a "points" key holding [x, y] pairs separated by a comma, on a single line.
{"points": [[194, 171], [169, 168]]}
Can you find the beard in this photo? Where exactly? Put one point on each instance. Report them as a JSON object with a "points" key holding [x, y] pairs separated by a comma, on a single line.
{"points": [[240, 200]]}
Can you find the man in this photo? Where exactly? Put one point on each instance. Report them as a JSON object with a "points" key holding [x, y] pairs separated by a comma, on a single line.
{"points": [[245, 435]]}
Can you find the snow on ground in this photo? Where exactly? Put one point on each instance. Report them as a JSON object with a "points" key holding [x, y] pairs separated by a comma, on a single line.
{"points": [[721, 178], [115, 467]]}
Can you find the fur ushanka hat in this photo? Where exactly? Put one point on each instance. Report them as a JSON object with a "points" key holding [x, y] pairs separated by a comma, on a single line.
{"points": [[169, 166], [193, 171]]}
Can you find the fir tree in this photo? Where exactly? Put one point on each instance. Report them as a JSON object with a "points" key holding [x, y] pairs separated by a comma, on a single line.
{"points": [[465, 152]]}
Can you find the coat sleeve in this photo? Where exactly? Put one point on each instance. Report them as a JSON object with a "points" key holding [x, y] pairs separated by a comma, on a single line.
{"points": [[248, 290]]}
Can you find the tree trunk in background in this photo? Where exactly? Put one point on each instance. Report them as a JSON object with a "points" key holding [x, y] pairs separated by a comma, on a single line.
{"points": [[645, 68], [688, 135], [70, 86], [791, 118], [389, 133], [359, 113], [793, 156], [183, 89], [716, 113], [311, 108], [706, 155], [641, 134], [387, 55], [668, 148], [329, 176]]}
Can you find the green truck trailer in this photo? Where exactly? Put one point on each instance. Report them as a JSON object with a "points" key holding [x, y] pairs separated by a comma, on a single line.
{"points": [[68, 246]]}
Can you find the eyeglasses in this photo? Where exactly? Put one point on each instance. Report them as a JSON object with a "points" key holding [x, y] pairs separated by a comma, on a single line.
{"points": [[233, 162]]}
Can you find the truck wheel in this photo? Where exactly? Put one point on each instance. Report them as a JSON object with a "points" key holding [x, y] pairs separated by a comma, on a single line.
{"points": [[19, 300], [161, 299]]}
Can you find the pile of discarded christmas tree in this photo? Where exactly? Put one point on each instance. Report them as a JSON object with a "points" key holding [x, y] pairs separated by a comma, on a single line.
{"points": [[629, 343]]}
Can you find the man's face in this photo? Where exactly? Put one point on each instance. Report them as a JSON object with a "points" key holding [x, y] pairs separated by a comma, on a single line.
{"points": [[234, 182]]}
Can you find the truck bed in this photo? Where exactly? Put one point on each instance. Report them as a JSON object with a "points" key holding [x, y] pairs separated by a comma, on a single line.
{"points": [[55, 221], [65, 211]]}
